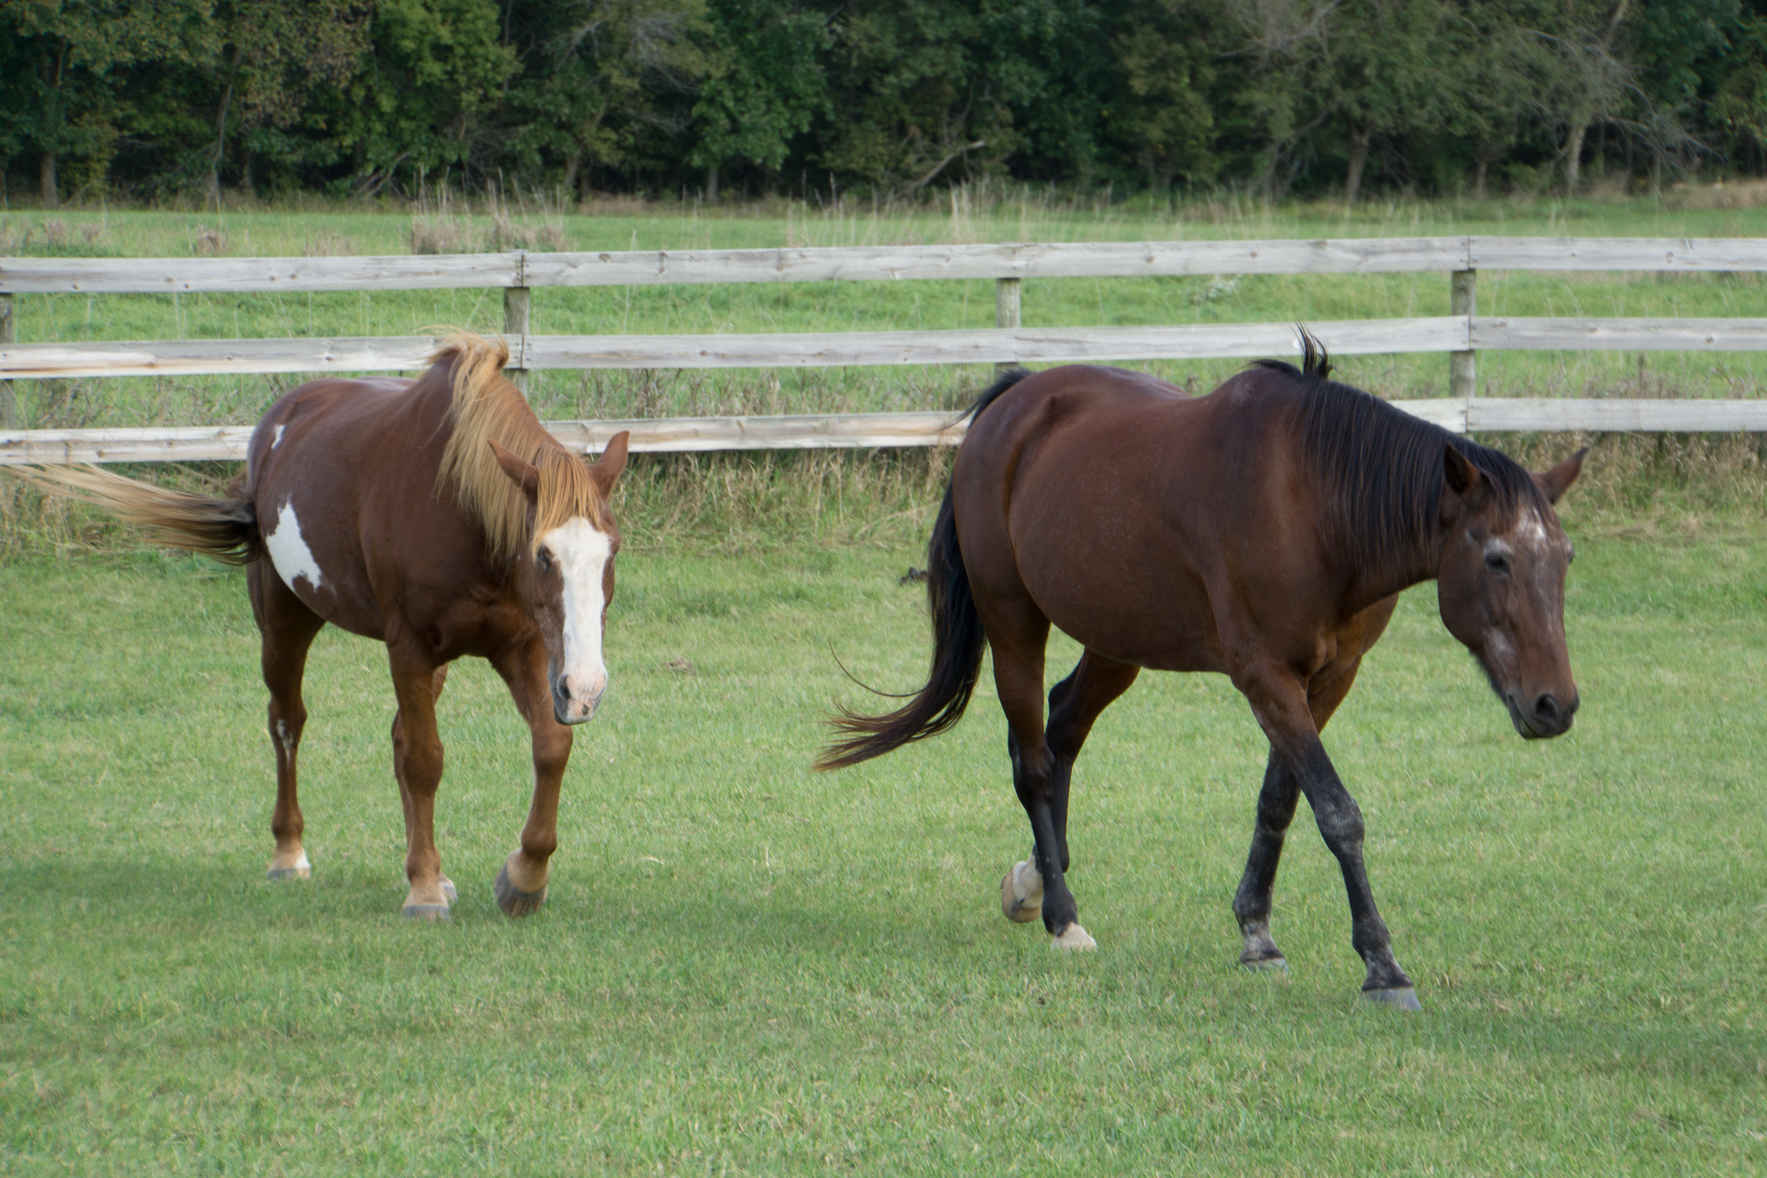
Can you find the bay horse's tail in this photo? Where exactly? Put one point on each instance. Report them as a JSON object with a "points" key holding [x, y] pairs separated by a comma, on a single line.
{"points": [[958, 638], [225, 529]]}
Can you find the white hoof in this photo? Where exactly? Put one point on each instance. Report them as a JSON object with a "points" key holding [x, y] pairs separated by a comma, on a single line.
{"points": [[1021, 893], [1074, 938], [296, 868]]}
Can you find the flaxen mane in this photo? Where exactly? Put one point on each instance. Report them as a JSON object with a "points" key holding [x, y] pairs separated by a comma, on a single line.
{"points": [[487, 408]]}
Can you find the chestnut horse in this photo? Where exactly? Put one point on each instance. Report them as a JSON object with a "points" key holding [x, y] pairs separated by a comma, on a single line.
{"points": [[1263, 531], [438, 516]]}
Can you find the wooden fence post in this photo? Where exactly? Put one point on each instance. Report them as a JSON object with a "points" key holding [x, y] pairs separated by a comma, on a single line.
{"points": [[8, 399], [516, 300], [1463, 375], [1006, 310]]}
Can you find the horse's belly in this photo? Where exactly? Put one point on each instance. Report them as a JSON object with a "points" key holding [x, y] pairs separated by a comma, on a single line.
{"points": [[326, 576], [1162, 624]]}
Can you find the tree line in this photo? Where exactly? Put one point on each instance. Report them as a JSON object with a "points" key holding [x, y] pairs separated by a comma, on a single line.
{"points": [[158, 98]]}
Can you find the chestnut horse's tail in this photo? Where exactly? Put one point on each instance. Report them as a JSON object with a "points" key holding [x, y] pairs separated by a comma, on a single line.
{"points": [[225, 529], [958, 638]]}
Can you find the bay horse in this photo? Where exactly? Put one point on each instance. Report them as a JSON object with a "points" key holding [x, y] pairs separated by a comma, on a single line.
{"points": [[1263, 531], [438, 516]]}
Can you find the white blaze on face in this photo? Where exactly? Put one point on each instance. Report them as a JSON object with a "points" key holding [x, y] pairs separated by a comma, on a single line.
{"points": [[581, 554], [289, 553]]}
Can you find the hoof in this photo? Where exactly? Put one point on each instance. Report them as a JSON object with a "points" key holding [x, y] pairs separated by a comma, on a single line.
{"points": [[1403, 997], [1073, 938], [301, 868], [1021, 893], [426, 911], [449, 891], [1276, 964], [513, 900]]}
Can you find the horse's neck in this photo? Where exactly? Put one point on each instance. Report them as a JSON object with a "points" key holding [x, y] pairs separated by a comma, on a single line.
{"points": [[1405, 559]]}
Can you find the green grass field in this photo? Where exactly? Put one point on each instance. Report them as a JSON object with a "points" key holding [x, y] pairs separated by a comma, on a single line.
{"points": [[746, 967]]}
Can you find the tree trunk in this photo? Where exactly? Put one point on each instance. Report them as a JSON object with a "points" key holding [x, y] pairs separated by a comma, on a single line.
{"points": [[711, 183], [46, 181], [1574, 153], [215, 157], [1359, 141]]}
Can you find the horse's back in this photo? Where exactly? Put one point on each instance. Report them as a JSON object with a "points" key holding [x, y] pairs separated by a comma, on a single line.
{"points": [[337, 471], [1120, 506]]}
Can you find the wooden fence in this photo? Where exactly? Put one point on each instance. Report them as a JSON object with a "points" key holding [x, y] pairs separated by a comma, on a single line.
{"points": [[1461, 334]]}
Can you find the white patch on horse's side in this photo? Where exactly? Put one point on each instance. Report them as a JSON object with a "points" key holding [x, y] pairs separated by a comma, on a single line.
{"points": [[276, 437], [289, 553], [581, 553]]}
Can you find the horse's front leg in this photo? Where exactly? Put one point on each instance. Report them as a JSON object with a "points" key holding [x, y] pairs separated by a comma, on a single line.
{"points": [[417, 763], [1280, 703], [521, 885]]}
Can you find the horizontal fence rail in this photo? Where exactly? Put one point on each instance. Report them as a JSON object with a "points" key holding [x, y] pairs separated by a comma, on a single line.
{"points": [[1461, 335]]}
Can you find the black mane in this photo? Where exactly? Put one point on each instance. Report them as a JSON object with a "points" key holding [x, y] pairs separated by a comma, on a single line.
{"points": [[1380, 467]]}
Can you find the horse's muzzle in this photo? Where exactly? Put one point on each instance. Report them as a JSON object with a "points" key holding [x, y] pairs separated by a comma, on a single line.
{"points": [[574, 705], [1547, 716]]}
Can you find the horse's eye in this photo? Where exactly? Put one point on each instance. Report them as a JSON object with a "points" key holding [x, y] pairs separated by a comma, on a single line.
{"points": [[1497, 562], [543, 560]]}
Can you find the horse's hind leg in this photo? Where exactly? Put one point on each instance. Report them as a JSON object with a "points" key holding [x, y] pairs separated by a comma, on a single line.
{"points": [[1074, 704], [286, 627], [1018, 677]]}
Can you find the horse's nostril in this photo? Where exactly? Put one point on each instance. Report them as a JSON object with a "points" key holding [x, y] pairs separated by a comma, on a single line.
{"points": [[1547, 708]]}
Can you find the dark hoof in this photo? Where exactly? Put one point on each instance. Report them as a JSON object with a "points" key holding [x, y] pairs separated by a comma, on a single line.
{"points": [[1274, 964], [1403, 997], [426, 911], [512, 900]]}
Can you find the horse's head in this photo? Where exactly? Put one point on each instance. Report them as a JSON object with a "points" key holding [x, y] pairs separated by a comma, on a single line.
{"points": [[1501, 589], [565, 581]]}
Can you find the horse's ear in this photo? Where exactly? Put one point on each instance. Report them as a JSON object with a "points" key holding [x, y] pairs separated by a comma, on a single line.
{"points": [[523, 474], [1464, 482], [607, 468], [1558, 480]]}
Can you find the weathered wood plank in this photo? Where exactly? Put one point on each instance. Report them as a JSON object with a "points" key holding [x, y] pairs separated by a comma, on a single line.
{"points": [[1603, 414], [980, 346], [991, 346], [667, 435], [1600, 335], [147, 444], [389, 272], [876, 263], [207, 357], [1684, 254], [1005, 260], [785, 432], [874, 430]]}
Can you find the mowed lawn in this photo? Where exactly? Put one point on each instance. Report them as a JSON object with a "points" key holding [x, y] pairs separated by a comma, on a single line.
{"points": [[747, 967]]}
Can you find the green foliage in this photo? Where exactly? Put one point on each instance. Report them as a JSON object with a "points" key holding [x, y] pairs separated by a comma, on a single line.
{"points": [[887, 99]]}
